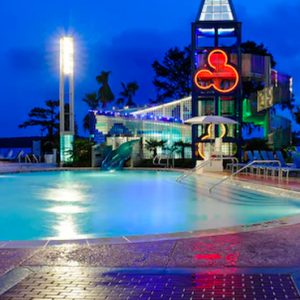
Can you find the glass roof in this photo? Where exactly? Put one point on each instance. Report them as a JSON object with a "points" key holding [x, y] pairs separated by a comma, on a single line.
{"points": [[217, 10]]}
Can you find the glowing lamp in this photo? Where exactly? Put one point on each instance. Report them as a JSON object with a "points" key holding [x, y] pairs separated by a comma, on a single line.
{"points": [[67, 55]]}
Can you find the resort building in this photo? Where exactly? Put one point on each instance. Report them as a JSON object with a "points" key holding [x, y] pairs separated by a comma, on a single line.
{"points": [[115, 128], [227, 81]]}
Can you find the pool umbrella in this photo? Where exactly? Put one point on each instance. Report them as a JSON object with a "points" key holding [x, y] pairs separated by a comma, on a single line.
{"points": [[210, 120]]}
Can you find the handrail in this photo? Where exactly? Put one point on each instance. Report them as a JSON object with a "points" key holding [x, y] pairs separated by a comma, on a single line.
{"points": [[160, 157], [187, 174], [35, 158], [19, 157], [244, 168], [233, 159], [154, 160]]}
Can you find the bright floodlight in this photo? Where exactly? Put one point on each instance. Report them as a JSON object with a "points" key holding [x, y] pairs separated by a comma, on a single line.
{"points": [[66, 90], [67, 55]]}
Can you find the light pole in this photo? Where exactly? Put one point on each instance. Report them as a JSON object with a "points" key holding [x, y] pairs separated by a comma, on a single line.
{"points": [[66, 87]]}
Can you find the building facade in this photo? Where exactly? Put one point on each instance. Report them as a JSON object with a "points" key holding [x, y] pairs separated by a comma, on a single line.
{"points": [[115, 128], [227, 81]]}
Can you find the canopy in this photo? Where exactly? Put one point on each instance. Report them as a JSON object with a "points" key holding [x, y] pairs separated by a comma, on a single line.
{"points": [[210, 120]]}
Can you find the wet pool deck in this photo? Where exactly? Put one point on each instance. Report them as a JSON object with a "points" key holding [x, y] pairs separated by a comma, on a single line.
{"points": [[78, 269]]}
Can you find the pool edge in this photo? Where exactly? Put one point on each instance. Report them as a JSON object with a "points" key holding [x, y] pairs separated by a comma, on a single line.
{"points": [[276, 223]]}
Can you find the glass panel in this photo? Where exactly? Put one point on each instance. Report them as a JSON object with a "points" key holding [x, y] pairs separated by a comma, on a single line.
{"points": [[206, 107], [217, 10]]}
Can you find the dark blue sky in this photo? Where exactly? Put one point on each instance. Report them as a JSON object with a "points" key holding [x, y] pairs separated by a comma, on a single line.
{"points": [[122, 36]]}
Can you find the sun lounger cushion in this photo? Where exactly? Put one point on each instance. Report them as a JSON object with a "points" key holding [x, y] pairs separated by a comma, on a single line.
{"points": [[296, 159]]}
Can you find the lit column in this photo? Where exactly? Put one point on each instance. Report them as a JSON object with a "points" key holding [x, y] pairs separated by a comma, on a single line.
{"points": [[66, 87]]}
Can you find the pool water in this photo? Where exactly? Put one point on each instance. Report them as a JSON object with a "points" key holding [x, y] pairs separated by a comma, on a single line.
{"points": [[87, 204]]}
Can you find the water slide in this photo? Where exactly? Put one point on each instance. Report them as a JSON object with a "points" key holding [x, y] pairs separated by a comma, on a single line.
{"points": [[115, 159]]}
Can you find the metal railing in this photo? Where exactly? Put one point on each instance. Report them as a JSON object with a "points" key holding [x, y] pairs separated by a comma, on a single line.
{"points": [[245, 168], [204, 164], [232, 159], [189, 173], [157, 161]]}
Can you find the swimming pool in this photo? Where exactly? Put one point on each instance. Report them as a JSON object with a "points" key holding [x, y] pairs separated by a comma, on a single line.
{"points": [[87, 204]]}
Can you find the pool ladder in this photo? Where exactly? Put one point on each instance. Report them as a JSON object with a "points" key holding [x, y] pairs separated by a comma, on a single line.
{"points": [[189, 173], [204, 164], [249, 165], [157, 161]]}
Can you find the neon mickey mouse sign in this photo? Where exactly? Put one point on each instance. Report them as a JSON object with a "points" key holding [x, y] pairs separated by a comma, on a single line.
{"points": [[221, 76]]}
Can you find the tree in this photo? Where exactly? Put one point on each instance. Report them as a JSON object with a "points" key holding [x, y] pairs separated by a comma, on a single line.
{"points": [[181, 146], [105, 94], [91, 100], [173, 75], [129, 91], [81, 153], [47, 118], [297, 114], [93, 103], [256, 144], [153, 145]]}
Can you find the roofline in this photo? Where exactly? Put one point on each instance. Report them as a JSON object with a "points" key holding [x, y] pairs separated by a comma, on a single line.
{"points": [[230, 4], [147, 110]]}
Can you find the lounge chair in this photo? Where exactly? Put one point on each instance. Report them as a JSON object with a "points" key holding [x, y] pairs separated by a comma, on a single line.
{"points": [[239, 166], [288, 168], [270, 167], [271, 155], [14, 156], [255, 156]]}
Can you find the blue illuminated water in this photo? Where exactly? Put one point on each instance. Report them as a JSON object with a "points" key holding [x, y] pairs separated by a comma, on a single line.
{"points": [[86, 204]]}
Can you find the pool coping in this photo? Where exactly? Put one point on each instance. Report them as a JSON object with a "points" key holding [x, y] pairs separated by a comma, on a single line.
{"points": [[281, 222]]}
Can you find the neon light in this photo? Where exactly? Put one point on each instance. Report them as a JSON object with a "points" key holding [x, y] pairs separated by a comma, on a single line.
{"points": [[208, 137], [223, 79]]}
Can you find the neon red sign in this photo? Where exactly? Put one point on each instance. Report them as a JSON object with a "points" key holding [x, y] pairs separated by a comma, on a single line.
{"points": [[221, 76]]}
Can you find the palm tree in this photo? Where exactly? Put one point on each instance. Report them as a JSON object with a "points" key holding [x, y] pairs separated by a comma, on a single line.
{"points": [[152, 145], [129, 91], [182, 145], [93, 102], [105, 94]]}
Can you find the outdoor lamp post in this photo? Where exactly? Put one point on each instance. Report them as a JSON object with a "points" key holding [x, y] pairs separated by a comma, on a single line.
{"points": [[66, 106]]}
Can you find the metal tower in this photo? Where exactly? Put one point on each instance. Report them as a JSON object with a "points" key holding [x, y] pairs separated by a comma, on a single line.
{"points": [[216, 73]]}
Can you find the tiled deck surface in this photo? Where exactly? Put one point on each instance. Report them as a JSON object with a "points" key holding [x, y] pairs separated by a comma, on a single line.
{"points": [[79, 283], [71, 269], [272, 248]]}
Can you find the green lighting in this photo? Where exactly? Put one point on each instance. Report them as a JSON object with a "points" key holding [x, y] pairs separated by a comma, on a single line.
{"points": [[246, 109], [66, 148]]}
